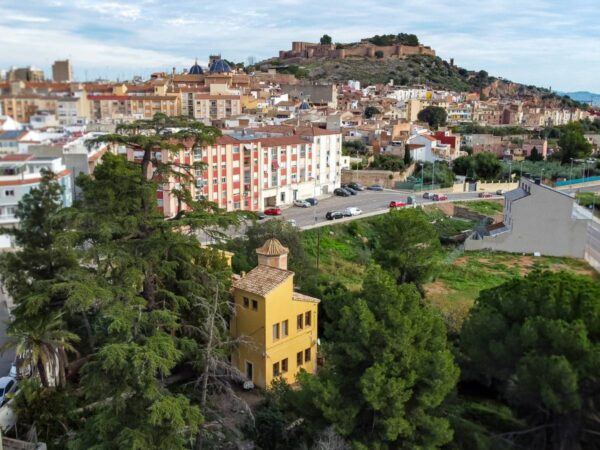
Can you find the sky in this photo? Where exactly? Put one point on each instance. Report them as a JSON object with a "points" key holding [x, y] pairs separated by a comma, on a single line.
{"points": [[549, 43]]}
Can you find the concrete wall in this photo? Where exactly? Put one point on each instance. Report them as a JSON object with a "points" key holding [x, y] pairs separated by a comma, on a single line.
{"points": [[541, 222], [382, 177]]}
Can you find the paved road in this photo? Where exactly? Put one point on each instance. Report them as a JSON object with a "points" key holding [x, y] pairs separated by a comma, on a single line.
{"points": [[367, 201]]}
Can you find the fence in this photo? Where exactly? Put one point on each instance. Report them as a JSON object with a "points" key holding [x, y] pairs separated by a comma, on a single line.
{"points": [[576, 181], [417, 187]]}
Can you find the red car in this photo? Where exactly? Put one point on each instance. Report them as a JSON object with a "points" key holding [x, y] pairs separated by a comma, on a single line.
{"points": [[273, 211], [395, 204], [439, 197], [485, 195]]}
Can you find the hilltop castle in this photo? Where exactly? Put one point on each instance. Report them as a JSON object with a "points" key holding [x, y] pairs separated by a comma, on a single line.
{"points": [[364, 49]]}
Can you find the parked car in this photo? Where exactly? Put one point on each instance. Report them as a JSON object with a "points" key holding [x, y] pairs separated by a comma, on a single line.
{"points": [[349, 189], [292, 222], [356, 186], [411, 200], [500, 192], [313, 201], [352, 211], [427, 195], [485, 195], [375, 187], [332, 215], [442, 197], [340, 192], [302, 203], [273, 211], [260, 215], [8, 385], [397, 204]]}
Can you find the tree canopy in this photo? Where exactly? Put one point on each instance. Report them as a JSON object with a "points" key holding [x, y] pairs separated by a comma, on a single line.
{"points": [[536, 340], [435, 116], [375, 388], [325, 40], [407, 246], [573, 144]]}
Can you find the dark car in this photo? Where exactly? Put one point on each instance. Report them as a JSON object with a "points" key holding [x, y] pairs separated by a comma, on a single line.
{"points": [[273, 212], [261, 215], [332, 215], [313, 201], [356, 186], [375, 187], [352, 191], [341, 192]]}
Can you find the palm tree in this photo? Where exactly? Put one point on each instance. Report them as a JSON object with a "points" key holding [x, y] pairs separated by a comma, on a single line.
{"points": [[42, 343]]}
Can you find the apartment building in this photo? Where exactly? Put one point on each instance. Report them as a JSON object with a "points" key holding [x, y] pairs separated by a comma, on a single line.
{"points": [[276, 326], [251, 172], [203, 105], [123, 107], [19, 173]]}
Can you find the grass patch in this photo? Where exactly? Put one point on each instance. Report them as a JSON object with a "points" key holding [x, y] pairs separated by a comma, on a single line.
{"points": [[487, 208], [464, 275]]}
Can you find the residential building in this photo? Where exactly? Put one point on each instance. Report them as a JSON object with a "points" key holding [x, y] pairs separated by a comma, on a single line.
{"points": [[19, 173], [25, 74], [201, 105], [537, 219], [275, 326], [62, 71]]}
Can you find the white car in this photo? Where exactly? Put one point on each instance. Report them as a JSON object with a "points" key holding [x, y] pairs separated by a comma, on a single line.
{"points": [[292, 222], [352, 211], [302, 203], [8, 385]]}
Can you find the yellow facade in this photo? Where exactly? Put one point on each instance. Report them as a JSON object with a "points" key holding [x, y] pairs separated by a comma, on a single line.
{"points": [[276, 327]]}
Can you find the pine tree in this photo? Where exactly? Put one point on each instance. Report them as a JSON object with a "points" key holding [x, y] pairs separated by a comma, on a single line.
{"points": [[387, 370]]}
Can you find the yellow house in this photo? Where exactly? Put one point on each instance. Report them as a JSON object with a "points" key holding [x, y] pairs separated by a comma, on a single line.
{"points": [[276, 327]]}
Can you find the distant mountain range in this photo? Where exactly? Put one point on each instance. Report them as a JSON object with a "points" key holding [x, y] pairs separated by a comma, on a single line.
{"points": [[583, 96]]}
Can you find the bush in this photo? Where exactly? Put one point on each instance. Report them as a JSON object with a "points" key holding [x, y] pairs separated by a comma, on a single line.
{"points": [[387, 162]]}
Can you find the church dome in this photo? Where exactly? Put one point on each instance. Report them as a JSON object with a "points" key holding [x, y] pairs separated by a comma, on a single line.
{"points": [[196, 69], [219, 66]]}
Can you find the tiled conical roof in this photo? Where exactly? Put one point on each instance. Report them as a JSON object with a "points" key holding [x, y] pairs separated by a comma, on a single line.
{"points": [[272, 248]]}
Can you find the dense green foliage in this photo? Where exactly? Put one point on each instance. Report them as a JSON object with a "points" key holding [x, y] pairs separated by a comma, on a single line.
{"points": [[112, 280], [374, 387], [573, 144], [535, 341], [434, 116], [393, 39], [407, 246], [387, 162], [371, 111], [484, 166], [441, 175], [325, 40]]}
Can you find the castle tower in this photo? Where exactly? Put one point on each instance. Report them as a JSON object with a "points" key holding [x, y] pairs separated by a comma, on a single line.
{"points": [[272, 254]]}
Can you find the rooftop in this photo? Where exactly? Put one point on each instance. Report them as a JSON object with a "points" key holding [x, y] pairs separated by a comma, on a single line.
{"points": [[272, 247], [262, 279]]}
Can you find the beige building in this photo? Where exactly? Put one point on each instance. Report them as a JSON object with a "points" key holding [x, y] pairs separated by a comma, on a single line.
{"points": [[25, 74], [62, 71], [202, 105]]}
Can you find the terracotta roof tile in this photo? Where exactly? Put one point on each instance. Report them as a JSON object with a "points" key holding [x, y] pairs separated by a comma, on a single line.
{"points": [[262, 279], [297, 296], [272, 247]]}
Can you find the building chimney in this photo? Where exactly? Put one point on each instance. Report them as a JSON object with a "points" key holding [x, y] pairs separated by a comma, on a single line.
{"points": [[273, 254]]}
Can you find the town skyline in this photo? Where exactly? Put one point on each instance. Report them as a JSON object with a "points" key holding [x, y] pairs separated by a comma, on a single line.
{"points": [[106, 39]]}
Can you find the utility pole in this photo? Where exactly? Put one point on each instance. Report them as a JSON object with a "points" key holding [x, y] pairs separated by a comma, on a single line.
{"points": [[571, 173], [433, 174]]}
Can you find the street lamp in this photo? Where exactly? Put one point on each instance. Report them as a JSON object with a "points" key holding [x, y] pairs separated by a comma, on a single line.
{"points": [[571, 173], [432, 174], [509, 171], [521, 173]]}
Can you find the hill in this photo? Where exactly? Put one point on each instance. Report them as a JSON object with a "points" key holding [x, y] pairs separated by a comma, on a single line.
{"points": [[583, 97], [324, 63]]}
